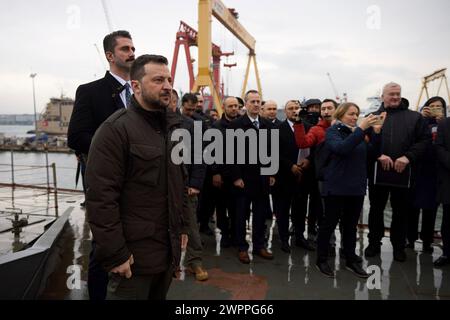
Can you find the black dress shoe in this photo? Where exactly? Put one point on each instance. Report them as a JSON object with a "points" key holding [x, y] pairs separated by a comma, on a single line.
{"points": [[285, 247], [442, 261], [303, 243], [354, 258], [427, 248], [399, 255], [225, 242], [356, 268], [206, 230], [325, 269], [410, 245], [372, 250]]}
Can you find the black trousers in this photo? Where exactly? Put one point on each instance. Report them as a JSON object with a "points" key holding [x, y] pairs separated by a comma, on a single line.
{"points": [[296, 205], [315, 209], [400, 203], [226, 210], [445, 230], [206, 202], [344, 208], [97, 278], [243, 200], [428, 222]]}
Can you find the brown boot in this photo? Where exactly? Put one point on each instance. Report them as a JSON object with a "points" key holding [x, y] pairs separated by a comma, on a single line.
{"points": [[263, 253], [243, 257], [200, 273]]}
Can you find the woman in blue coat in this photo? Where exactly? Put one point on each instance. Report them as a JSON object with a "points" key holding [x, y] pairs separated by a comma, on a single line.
{"points": [[345, 182]]}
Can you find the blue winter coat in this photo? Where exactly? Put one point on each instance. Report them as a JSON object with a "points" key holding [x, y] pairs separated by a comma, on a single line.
{"points": [[346, 172]]}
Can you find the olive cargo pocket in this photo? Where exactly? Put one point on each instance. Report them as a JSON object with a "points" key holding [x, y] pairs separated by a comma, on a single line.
{"points": [[145, 164]]}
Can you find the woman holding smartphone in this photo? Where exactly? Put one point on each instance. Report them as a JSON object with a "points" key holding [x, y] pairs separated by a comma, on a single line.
{"points": [[424, 194], [345, 181]]}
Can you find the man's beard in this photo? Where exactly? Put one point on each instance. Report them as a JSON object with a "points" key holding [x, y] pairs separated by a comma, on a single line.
{"points": [[126, 66], [156, 103], [229, 116]]}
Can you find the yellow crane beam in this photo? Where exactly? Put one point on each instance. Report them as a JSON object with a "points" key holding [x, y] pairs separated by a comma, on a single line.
{"points": [[438, 74], [206, 10]]}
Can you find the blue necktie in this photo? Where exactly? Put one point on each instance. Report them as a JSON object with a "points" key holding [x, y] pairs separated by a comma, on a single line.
{"points": [[256, 124], [127, 95]]}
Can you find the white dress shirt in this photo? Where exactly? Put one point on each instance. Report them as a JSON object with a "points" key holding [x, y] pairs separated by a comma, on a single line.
{"points": [[123, 93]]}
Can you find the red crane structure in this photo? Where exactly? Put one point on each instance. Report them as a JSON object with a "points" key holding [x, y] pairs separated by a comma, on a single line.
{"points": [[188, 37]]}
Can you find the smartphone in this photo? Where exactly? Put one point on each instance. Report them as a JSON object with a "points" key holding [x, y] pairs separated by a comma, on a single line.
{"points": [[379, 121], [436, 112]]}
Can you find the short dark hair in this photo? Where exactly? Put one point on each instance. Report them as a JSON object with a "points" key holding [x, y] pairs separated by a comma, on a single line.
{"points": [[189, 97], [208, 112], [138, 67], [110, 41], [336, 105], [249, 92]]}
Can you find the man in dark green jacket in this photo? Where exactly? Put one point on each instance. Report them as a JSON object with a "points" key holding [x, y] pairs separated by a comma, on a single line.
{"points": [[137, 198]]}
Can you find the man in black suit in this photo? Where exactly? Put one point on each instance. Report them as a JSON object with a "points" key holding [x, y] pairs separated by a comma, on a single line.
{"points": [[221, 181], [249, 185], [288, 193], [94, 103]]}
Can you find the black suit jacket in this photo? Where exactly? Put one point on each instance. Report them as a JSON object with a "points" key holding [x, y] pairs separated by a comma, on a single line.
{"points": [[254, 182], [286, 181], [277, 123], [94, 103]]}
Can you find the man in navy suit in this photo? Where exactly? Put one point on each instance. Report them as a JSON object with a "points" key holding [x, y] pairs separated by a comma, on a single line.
{"points": [[94, 103], [250, 186]]}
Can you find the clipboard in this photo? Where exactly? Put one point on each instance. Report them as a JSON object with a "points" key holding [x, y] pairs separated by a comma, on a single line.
{"points": [[392, 178]]}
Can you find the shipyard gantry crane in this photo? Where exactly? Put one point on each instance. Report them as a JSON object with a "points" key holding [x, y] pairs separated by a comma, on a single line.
{"points": [[187, 37], [227, 17], [439, 74]]}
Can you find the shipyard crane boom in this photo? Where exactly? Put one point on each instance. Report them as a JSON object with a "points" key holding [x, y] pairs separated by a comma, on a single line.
{"points": [[107, 15], [227, 17], [338, 98], [188, 37]]}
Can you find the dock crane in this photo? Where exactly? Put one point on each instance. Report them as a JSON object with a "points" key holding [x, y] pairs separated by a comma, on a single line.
{"points": [[439, 74], [188, 37], [107, 16], [228, 18], [336, 93]]}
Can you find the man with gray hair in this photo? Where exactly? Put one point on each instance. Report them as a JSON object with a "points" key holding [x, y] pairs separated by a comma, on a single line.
{"points": [[404, 140]]}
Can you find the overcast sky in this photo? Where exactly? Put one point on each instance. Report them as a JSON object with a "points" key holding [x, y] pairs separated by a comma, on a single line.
{"points": [[363, 44]]}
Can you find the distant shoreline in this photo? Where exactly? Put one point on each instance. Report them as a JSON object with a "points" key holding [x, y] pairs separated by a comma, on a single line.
{"points": [[23, 149]]}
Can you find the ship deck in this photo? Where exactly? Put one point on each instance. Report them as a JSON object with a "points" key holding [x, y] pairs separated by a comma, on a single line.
{"points": [[287, 277]]}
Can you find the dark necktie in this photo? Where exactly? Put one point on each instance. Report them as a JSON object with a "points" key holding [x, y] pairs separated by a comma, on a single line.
{"points": [[127, 95], [256, 124]]}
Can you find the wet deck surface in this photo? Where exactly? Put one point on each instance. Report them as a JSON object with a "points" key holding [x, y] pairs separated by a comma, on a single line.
{"points": [[35, 205], [287, 277]]}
